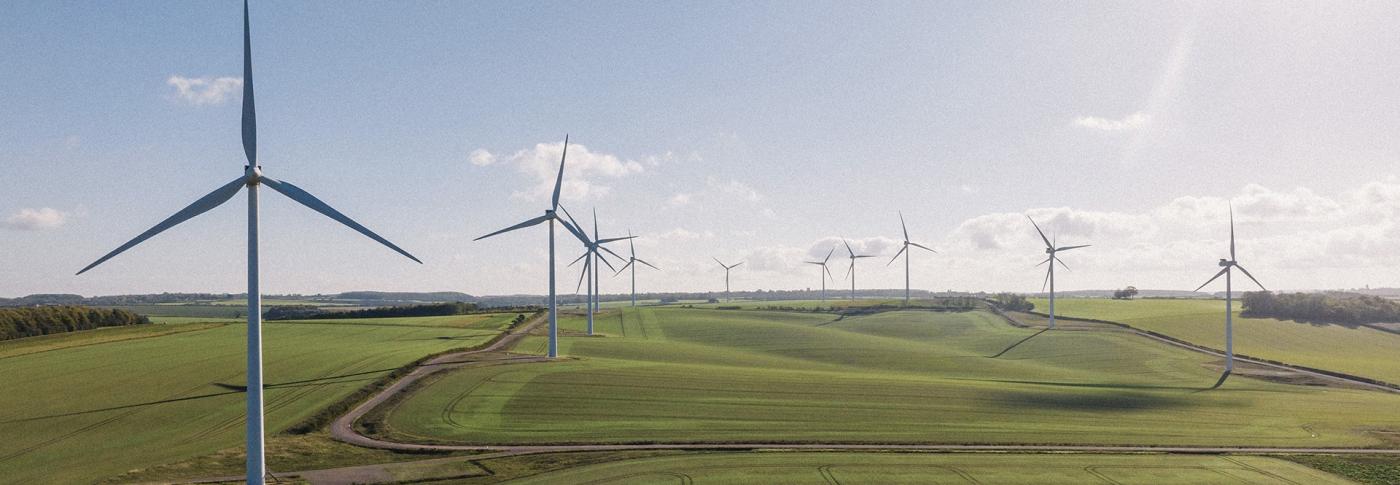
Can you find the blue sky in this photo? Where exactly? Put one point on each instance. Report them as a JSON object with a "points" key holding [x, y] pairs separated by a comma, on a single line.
{"points": [[754, 131]]}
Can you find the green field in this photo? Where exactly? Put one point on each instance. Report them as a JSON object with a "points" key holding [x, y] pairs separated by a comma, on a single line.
{"points": [[671, 374], [87, 405], [1359, 351], [895, 468]]}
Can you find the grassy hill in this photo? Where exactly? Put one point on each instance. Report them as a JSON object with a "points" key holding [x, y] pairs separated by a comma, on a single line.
{"points": [[83, 406], [670, 374], [1360, 351]]}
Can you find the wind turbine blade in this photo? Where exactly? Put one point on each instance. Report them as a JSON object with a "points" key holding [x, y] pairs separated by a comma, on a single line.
{"points": [[850, 268], [204, 204], [522, 225], [623, 268], [609, 251], [559, 182], [901, 226], [614, 239], [574, 227], [1042, 233], [1232, 235], [828, 255], [1213, 278], [920, 246], [250, 118], [736, 265], [1047, 280], [580, 258], [1062, 263], [648, 264], [1067, 248], [828, 272], [605, 261], [305, 198], [813, 262], [721, 264], [862, 256], [1037, 265], [848, 247], [1251, 277], [582, 274], [630, 247], [896, 255], [595, 223]]}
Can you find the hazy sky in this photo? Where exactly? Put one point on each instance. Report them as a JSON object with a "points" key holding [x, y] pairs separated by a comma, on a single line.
{"points": [[746, 131]]}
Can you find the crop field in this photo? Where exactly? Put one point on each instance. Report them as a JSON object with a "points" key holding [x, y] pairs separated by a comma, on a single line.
{"points": [[827, 468], [1359, 351], [83, 406], [670, 374]]}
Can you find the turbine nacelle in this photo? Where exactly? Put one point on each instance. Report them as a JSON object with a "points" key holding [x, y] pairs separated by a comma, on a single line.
{"points": [[1226, 263]]}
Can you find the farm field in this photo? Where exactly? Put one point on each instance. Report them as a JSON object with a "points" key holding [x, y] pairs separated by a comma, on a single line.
{"points": [[670, 374], [1359, 351], [832, 467], [121, 399]]}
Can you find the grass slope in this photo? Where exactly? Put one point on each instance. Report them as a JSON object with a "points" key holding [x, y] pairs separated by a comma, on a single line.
{"points": [[695, 375], [897, 468], [83, 406], [1361, 351]]}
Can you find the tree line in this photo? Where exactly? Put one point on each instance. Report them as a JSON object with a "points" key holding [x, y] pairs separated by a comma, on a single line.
{"points": [[19, 322], [1347, 309], [303, 312]]}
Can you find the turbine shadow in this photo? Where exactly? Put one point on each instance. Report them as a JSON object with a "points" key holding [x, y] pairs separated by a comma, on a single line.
{"points": [[1018, 343], [1088, 385], [1223, 376]]}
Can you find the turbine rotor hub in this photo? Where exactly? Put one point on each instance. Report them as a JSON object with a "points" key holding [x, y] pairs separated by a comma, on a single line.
{"points": [[253, 173]]}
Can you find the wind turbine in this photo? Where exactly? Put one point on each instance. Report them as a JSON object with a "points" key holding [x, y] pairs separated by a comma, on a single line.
{"points": [[1051, 251], [851, 271], [905, 251], [632, 262], [726, 274], [252, 178], [1225, 265], [591, 254], [825, 271], [550, 215]]}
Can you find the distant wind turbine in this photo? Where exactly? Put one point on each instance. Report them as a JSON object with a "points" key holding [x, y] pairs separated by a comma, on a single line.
{"points": [[590, 271], [252, 178], [550, 215], [1051, 257], [825, 271], [851, 271], [726, 274], [632, 263], [1225, 266], [905, 251]]}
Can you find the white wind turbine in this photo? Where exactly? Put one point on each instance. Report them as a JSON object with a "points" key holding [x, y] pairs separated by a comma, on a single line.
{"points": [[905, 251], [1225, 265], [252, 178], [825, 271], [1051, 258], [550, 215], [726, 274], [591, 254], [851, 271], [632, 263]]}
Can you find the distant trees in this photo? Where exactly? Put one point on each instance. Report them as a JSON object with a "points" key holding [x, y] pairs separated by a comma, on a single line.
{"points": [[1125, 293], [302, 312], [1347, 309], [1013, 302], [22, 322]]}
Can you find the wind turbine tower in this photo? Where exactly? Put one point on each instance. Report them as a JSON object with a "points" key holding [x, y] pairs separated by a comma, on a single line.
{"points": [[252, 178], [1052, 257]]}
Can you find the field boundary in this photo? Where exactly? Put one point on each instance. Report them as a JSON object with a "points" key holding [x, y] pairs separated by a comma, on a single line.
{"points": [[1315, 372]]}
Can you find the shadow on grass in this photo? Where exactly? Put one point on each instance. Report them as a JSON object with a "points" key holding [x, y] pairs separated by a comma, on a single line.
{"points": [[1018, 343], [1094, 385], [1118, 401]]}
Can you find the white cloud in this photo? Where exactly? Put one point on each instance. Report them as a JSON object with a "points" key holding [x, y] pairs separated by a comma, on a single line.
{"points": [[679, 199], [1130, 122], [201, 91], [36, 219], [481, 158], [734, 188], [583, 171]]}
